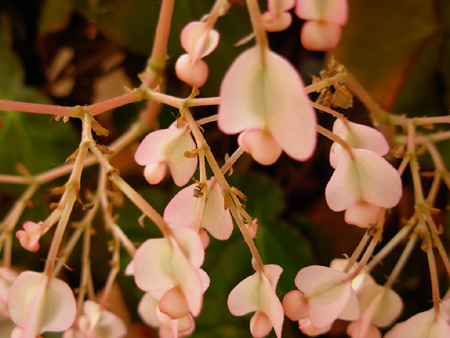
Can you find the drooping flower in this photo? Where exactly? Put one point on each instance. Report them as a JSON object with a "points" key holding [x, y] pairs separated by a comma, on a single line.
{"points": [[197, 41], [180, 211], [257, 294], [277, 18], [326, 295], [39, 304], [322, 31], [98, 323], [167, 147], [263, 96], [363, 177], [174, 265], [29, 237]]}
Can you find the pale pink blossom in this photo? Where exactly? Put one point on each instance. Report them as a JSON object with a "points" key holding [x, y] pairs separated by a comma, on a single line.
{"points": [[277, 18], [357, 136], [328, 294], [197, 41], [173, 263], [167, 147], [29, 237], [181, 210], [322, 31], [264, 97], [257, 294], [39, 304], [363, 176]]}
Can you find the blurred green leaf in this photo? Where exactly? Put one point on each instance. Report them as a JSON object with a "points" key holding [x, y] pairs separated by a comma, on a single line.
{"points": [[55, 16]]}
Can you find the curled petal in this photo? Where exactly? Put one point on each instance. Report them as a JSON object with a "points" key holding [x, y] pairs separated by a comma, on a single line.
{"points": [[29, 237], [320, 36], [147, 310], [155, 172], [195, 74], [295, 306], [260, 325], [174, 304], [333, 11], [261, 145], [276, 7], [365, 176], [268, 96], [309, 329], [362, 214]]}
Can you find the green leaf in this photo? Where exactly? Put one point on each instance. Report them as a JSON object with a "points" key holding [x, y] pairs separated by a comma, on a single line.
{"points": [[264, 197]]}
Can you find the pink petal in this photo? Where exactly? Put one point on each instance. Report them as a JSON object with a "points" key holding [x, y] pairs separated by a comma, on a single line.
{"points": [[320, 36], [357, 136], [277, 24], [174, 304], [155, 172], [333, 11], [260, 325], [365, 177], [190, 244], [194, 74], [198, 42], [358, 329], [295, 306], [169, 146], [180, 211], [307, 328], [269, 97], [424, 324], [147, 310], [327, 291], [362, 214], [261, 145], [351, 310], [39, 305]]}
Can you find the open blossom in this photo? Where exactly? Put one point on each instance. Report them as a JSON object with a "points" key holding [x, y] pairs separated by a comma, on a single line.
{"points": [[29, 237], [167, 147], [263, 98], [173, 265], [39, 304], [180, 212], [277, 18], [325, 295], [322, 30], [257, 294], [198, 41]]}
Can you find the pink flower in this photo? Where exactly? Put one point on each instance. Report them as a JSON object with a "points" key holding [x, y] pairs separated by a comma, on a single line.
{"points": [[363, 176], [264, 97], [29, 238], [180, 212], [257, 294], [38, 304], [173, 264], [277, 18], [198, 42], [322, 31], [326, 294], [166, 147]]}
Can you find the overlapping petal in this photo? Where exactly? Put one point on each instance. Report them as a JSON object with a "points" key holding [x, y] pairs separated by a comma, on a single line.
{"points": [[268, 96], [333, 11]]}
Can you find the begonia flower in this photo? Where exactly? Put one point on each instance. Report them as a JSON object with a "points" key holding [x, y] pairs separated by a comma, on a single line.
{"points": [[7, 278], [39, 304], [167, 147], [180, 211], [328, 294], [173, 261], [424, 324], [277, 18], [29, 237], [322, 31], [357, 136], [264, 97], [197, 41], [257, 294], [363, 176], [380, 307]]}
